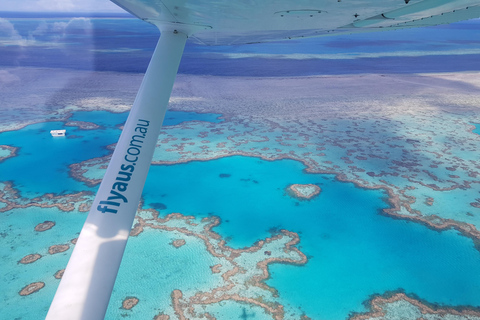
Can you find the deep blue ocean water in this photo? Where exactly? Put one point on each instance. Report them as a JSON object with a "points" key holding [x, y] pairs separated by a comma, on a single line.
{"points": [[126, 45]]}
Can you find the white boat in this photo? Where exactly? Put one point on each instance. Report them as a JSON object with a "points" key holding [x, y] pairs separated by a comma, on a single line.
{"points": [[58, 133]]}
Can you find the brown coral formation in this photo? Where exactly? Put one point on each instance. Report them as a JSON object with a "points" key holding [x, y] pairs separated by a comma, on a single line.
{"points": [[304, 191], [476, 204], [44, 226], [58, 248], [12, 199], [83, 125], [77, 169], [13, 152], [30, 258], [429, 201], [216, 268], [377, 308], [432, 221], [31, 288], [177, 305], [85, 206], [59, 274], [178, 243], [129, 303], [217, 248], [136, 230]]}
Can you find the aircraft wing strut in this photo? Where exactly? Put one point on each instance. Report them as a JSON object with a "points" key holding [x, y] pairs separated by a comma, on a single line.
{"points": [[88, 280]]}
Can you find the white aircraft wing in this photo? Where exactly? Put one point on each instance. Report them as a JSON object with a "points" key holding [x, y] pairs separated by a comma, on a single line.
{"points": [[245, 21], [88, 280]]}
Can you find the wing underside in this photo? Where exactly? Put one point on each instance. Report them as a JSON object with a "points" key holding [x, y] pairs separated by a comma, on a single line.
{"points": [[223, 22]]}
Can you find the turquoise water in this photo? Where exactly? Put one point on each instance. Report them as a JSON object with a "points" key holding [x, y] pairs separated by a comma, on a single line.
{"points": [[41, 156], [235, 310], [477, 128], [4, 152], [18, 239], [154, 268], [353, 251]]}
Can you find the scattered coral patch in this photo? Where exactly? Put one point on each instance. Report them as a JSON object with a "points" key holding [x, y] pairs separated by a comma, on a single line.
{"points": [[380, 309], [136, 230], [178, 243], [58, 248], [59, 274], [7, 152], [429, 201], [476, 204], [129, 303], [83, 125], [304, 191], [30, 258], [31, 288], [44, 226], [216, 268]]}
